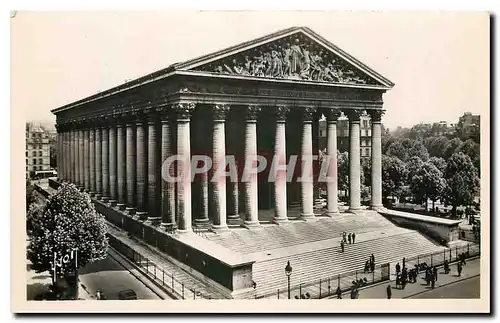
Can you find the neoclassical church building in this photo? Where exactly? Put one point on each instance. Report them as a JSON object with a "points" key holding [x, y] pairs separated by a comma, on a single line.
{"points": [[262, 97]]}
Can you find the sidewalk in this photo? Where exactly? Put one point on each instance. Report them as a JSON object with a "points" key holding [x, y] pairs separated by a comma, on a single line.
{"points": [[471, 269]]}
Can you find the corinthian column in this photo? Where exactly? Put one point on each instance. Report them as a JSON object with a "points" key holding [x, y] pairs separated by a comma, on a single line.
{"points": [[331, 155], [105, 161], [306, 178], [112, 162], [92, 159], [141, 164], [72, 150], [130, 166], [183, 112], [167, 184], [120, 162], [152, 165], [376, 119], [77, 154], [354, 160], [279, 163], [251, 184], [218, 183], [98, 160], [81, 155], [86, 169]]}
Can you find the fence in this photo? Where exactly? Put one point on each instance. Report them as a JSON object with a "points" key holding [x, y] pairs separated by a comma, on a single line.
{"points": [[438, 258], [327, 286], [161, 277]]}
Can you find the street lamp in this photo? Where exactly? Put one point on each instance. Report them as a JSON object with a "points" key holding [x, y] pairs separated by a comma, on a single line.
{"points": [[288, 273]]}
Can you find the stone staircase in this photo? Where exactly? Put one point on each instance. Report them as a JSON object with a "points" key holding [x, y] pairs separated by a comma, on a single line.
{"points": [[270, 237], [309, 267]]}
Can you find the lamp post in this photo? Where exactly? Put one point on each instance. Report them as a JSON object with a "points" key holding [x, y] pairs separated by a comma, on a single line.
{"points": [[288, 273]]}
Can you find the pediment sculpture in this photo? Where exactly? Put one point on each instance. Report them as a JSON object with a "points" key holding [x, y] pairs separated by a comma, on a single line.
{"points": [[293, 57]]}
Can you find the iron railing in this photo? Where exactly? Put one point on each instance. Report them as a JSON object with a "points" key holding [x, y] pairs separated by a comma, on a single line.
{"points": [[326, 287], [160, 276]]}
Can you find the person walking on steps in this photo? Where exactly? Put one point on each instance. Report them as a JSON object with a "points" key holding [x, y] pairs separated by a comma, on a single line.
{"points": [[342, 246], [353, 236], [349, 238], [398, 268], [459, 269], [435, 273]]}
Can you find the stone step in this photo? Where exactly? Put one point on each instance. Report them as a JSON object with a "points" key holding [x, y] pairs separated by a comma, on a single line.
{"points": [[313, 266]]}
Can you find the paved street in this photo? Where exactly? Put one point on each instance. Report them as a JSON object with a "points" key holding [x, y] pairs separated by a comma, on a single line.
{"points": [[111, 277], [469, 288]]}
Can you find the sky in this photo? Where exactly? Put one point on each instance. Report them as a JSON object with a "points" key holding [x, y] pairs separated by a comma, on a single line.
{"points": [[438, 61]]}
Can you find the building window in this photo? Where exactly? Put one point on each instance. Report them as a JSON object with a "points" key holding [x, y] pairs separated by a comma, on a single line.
{"points": [[40, 153], [34, 161], [26, 154], [40, 161]]}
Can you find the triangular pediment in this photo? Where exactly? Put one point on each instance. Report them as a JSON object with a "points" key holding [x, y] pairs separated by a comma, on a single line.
{"points": [[293, 54]]}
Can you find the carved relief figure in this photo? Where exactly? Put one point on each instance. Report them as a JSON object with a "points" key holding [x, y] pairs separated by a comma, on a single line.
{"points": [[303, 59]]}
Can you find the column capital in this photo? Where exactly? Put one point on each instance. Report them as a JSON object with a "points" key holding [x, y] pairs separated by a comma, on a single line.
{"points": [[354, 115], [183, 111], [332, 115], [282, 113], [308, 114], [164, 113], [220, 111], [376, 114], [252, 112]]}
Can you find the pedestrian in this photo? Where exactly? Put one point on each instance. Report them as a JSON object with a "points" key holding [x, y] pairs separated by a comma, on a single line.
{"points": [[338, 292], [435, 273], [398, 281], [446, 267], [349, 238], [344, 235], [398, 268], [427, 277], [373, 258], [342, 246], [372, 267], [404, 262], [367, 267], [98, 295], [353, 292], [459, 269], [463, 259], [389, 291], [353, 237], [433, 280]]}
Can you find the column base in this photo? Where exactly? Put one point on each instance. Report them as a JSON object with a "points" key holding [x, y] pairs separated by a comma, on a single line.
{"points": [[251, 224], [219, 228], [168, 226], [234, 220], [97, 196], [378, 208], [130, 211], [153, 220], [202, 223], [332, 213], [355, 209], [120, 207], [189, 231], [141, 216], [280, 221], [112, 202], [105, 199]]}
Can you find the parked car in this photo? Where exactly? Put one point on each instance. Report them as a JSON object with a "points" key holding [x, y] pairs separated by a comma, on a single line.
{"points": [[127, 294]]}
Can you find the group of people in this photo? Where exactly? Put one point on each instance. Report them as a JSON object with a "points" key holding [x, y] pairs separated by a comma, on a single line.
{"points": [[347, 238]]}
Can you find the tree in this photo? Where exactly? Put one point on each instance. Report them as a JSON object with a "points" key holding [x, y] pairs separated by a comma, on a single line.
{"points": [[387, 140], [393, 175], [418, 150], [69, 222], [343, 170], [438, 146], [427, 183], [413, 165], [366, 171], [462, 181], [452, 147], [472, 149], [30, 197], [439, 162], [396, 149]]}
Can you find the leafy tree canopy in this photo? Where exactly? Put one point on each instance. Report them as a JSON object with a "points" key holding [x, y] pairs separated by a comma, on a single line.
{"points": [[69, 221]]}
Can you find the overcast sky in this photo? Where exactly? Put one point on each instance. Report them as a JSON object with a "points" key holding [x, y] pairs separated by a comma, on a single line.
{"points": [[438, 61]]}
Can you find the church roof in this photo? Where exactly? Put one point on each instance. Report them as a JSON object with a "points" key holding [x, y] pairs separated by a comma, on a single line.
{"points": [[239, 61]]}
